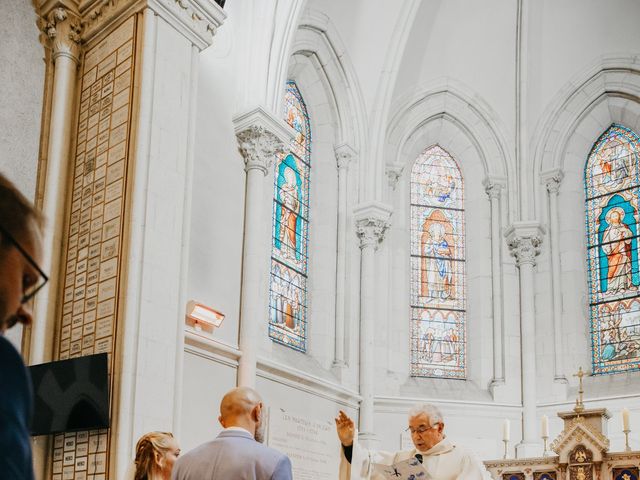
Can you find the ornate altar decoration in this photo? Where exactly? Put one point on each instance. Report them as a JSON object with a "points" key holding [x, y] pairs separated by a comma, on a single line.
{"points": [[579, 452]]}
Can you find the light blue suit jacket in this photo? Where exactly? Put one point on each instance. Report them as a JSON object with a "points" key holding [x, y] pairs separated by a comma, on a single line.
{"points": [[233, 455]]}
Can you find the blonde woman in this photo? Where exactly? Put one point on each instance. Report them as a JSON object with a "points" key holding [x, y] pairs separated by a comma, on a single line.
{"points": [[156, 452]]}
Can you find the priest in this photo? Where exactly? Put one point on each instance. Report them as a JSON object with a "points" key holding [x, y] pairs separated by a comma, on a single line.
{"points": [[441, 459]]}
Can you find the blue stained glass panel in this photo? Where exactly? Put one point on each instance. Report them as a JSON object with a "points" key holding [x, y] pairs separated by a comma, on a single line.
{"points": [[290, 234], [612, 191], [438, 290]]}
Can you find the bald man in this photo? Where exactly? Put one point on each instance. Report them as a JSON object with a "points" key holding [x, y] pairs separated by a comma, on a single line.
{"points": [[237, 453], [20, 279]]}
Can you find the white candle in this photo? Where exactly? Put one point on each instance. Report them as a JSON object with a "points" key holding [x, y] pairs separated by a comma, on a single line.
{"points": [[545, 427], [625, 419], [506, 426]]}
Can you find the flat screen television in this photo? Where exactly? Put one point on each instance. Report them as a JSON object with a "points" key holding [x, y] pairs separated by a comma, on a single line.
{"points": [[70, 395]]}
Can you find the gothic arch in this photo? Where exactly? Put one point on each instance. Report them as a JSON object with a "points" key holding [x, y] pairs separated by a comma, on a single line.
{"points": [[319, 63], [605, 93], [455, 118]]}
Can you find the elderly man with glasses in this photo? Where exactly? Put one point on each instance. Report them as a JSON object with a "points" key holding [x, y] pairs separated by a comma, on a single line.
{"points": [[20, 279], [440, 459]]}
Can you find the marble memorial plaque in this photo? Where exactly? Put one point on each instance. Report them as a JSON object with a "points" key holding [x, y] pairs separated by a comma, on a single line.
{"points": [[311, 444]]}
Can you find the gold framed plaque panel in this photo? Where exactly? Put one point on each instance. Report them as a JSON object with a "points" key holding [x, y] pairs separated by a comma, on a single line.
{"points": [[94, 236]]}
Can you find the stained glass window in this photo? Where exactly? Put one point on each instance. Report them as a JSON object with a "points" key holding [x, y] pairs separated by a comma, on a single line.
{"points": [[611, 186], [438, 298], [290, 235]]}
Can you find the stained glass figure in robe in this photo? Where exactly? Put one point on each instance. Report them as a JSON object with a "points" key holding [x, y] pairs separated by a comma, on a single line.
{"points": [[611, 184], [288, 278], [438, 338]]}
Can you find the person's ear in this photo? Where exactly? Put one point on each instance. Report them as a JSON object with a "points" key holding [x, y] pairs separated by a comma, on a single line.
{"points": [[440, 427], [159, 459], [257, 412], [221, 420]]}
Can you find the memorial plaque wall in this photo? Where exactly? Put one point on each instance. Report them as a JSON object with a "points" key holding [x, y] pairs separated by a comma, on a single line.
{"points": [[93, 256], [312, 445]]}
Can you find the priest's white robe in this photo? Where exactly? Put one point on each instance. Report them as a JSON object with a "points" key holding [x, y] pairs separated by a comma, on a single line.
{"points": [[444, 461]]}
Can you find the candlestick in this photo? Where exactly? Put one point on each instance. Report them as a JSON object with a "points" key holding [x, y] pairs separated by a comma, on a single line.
{"points": [[625, 419], [506, 448], [545, 446], [506, 427], [627, 448]]}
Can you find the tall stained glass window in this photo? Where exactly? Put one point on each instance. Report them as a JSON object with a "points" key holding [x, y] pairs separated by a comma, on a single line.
{"points": [[438, 299], [612, 182], [288, 282]]}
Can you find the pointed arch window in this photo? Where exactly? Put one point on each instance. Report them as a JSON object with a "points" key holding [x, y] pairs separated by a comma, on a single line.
{"points": [[612, 182], [290, 234], [438, 294]]}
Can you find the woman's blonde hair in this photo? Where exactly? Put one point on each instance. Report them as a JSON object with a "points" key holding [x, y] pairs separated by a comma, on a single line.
{"points": [[146, 448]]}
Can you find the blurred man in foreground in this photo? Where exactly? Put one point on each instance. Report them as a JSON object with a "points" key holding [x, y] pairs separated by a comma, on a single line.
{"points": [[20, 280]]}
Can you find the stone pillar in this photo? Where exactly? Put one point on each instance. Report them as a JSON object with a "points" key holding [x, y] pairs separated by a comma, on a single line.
{"points": [[524, 239], [121, 253], [344, 155], [552, 181], [61, 29], [261, 137], [372, 221], [494, 190]]}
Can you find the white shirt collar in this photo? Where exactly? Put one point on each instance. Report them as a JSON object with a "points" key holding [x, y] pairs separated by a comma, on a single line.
{"points": [[237, 429]]}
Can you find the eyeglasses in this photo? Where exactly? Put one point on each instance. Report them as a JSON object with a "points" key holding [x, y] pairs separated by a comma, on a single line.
{"points": [[28, 292], [421, 429]]}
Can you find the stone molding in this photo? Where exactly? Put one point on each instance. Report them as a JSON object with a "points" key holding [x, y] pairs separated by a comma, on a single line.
{"points": [[62, 33], [524, 240], [372, 222], [197, 20], [259, 147], [345, 154], [493, 187], [393, 172], [552, 180]]}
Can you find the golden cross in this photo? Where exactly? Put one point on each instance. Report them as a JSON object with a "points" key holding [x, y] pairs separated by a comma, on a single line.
{"points": [[579, 405]]}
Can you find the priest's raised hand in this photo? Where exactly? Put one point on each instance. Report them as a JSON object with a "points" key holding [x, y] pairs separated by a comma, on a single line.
{"points": [[346, 429]]}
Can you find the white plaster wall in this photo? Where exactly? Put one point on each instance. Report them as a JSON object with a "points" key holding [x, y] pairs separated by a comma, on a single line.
{"points": [[205, 382], [22, 78], [217, 219]]}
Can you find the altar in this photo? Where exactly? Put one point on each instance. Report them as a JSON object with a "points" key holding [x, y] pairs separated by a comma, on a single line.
{"points": [[579, 452]]}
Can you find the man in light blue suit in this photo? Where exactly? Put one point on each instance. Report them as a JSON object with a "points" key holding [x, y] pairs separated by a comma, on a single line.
{"points": [[237, 453]]}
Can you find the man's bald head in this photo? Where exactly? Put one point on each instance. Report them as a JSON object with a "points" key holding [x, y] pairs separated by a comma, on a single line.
{"points": [[242, 407], [239, 402]]}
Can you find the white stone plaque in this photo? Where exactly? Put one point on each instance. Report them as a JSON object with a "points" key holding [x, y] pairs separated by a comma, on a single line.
{"points": [[312, 445]]}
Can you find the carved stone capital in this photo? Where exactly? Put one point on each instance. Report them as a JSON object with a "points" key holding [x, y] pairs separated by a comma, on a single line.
{"points": [[372, 222], [493, 187], [524, 240], [261, 136], [197, 20], [552, 180], [259, 147], [345, 154], [62, 29], [393, 171]]}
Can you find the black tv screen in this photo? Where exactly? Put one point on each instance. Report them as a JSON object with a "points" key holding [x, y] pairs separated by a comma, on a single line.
{"points": [[70, 395]]}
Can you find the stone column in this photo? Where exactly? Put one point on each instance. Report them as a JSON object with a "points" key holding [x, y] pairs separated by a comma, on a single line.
{"points": [[524, 239], [494, 190], [61, 28], [552, 181], [344, 155], [261, 137], [121, 252], [372, 222]]}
